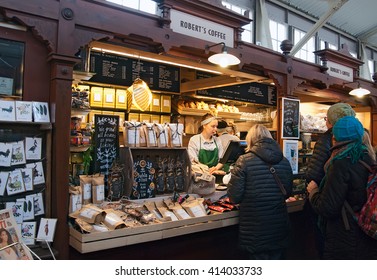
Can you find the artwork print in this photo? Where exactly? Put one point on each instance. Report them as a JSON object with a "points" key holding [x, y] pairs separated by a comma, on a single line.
{"points": [[29, 207], [27, 176], [18, 153], [38, 174], [33, 148], [24, 111], [3, 181], [15, 183], [18, 212], [46, 230], [290, 151], [5, 154], [7, 110], [28, 230], [39, 208], [41, 112]]}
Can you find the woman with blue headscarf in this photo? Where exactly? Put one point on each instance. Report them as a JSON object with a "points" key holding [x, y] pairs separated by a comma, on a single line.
{"points": [[345, 180]]}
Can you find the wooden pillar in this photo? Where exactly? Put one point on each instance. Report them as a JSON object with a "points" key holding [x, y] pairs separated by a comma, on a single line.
{"points": [[60, 104]]}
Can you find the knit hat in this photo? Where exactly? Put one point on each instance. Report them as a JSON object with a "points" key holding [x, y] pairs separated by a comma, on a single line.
{"points": [[222, 126], [339, 110], [348, 128]]}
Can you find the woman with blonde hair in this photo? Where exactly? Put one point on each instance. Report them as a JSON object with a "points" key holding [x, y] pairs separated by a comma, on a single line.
{"points": [[205, 147], [264, 227]]}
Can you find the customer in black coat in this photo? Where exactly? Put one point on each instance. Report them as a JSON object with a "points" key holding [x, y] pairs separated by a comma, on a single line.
{"points": [[264, 227], [345, 180], [321, 154]]}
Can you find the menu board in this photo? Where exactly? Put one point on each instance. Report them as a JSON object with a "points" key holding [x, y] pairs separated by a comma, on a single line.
{"points": [[250, 92], [120, 70], [106, 142], [291, 118]]}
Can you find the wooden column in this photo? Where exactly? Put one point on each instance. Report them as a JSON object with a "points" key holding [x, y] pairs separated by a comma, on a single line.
{"points": [[60, 104]]}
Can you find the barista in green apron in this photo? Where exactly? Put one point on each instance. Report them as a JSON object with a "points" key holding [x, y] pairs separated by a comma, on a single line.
{"points": [[203, 147], [207, 157]]}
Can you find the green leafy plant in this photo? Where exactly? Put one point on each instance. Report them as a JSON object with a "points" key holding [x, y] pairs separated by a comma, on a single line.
{"points": [[87, 159]]}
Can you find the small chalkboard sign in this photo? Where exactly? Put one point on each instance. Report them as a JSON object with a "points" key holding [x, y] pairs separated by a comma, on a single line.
{"points": [[106, 143], [290, 118]]}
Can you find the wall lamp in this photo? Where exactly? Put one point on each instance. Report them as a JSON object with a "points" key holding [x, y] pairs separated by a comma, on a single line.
{"points": [[359, 91], [224, 58]]}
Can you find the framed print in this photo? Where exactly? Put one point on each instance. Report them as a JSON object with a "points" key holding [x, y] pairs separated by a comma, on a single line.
{"points": [[12, 67], [41, 112], [33, 148], [290, 118], [46, 230], [24, 111], [290, 151]]}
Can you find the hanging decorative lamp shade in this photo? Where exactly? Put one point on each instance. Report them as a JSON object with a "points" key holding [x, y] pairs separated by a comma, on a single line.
{"points": [[139, 95]]}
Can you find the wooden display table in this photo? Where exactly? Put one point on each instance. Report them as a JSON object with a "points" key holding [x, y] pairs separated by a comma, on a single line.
{"points": [[85, 243]]}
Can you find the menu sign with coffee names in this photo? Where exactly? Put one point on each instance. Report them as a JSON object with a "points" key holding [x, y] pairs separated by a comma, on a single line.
{"points": [[119, 70], [250, 92]]}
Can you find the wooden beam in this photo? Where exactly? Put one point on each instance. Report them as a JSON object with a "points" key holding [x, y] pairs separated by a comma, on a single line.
{"points": [[213, 82]]}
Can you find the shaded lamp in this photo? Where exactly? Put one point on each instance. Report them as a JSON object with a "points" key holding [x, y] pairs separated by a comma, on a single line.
{"points": [[359, 91], [224, 58]]}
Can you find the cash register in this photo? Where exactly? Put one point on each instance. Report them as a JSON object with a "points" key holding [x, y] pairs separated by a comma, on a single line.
{"points": [[234, 149]]}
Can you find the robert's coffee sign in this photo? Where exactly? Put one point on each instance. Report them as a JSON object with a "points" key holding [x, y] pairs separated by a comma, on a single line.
{"points": [[200, 28]]}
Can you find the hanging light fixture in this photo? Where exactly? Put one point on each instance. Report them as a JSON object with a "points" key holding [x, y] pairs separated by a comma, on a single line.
{"points": [[359, 92], [224, 59]]}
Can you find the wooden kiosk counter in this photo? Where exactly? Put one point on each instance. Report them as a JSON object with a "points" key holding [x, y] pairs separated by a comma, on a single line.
{"points": [[91, 242]]}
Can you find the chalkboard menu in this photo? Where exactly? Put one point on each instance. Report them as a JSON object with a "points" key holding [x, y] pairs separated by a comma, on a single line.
{"points": [[291, 118], [106, 143], [120, 70], [250, 92]]}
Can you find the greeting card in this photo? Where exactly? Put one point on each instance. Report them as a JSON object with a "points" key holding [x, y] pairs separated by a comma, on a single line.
{"points": [[24, 111], [33, 148]]}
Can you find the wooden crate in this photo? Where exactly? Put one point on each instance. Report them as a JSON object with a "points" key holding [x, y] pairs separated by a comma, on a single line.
{"points": [[86, 243]]}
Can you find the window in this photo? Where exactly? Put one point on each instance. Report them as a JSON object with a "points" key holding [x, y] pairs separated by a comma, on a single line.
{"points": [[371, 68], [246, 35], [147, 6], [306, 52], [329, 45], [278, 34]]}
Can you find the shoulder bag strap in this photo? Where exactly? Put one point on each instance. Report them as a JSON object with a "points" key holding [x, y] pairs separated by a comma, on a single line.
{"points": [[277, 179]]}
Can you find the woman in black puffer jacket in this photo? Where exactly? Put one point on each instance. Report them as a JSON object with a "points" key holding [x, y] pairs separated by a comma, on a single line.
{"points": [[264, 227]]}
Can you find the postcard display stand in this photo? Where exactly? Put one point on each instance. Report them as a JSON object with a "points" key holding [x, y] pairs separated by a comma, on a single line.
{"points": [[25, 182]]}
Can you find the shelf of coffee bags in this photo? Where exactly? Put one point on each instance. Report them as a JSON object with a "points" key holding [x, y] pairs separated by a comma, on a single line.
{"points": [[97, 241]]}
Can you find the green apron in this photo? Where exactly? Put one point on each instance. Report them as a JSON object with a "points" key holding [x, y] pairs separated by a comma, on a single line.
{"points": [[209, 158]]}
